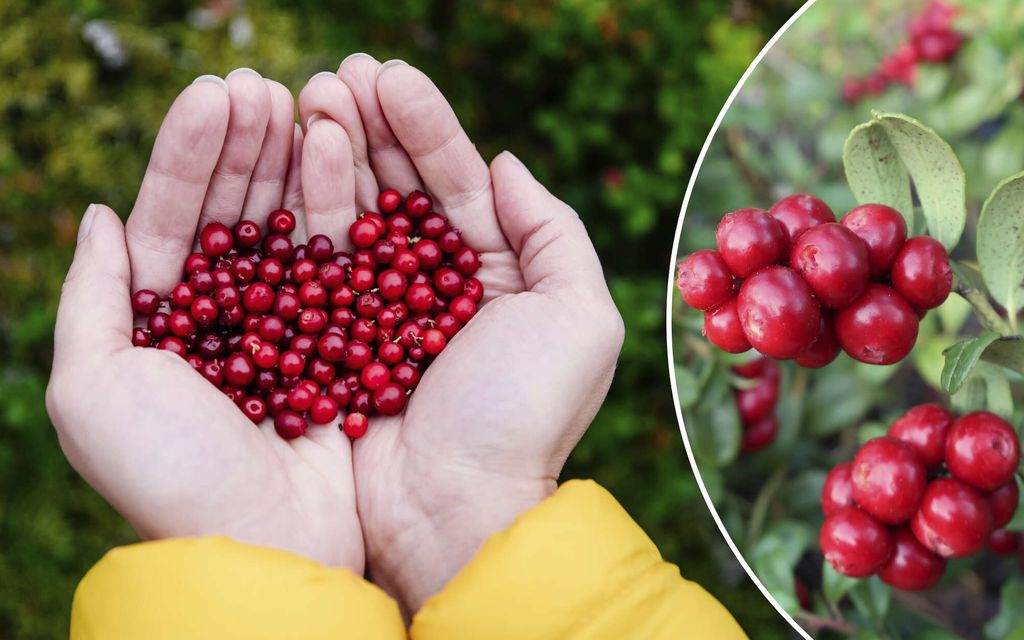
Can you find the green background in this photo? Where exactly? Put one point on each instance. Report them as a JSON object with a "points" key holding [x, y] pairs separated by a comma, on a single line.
{"points": [[608, 102]]}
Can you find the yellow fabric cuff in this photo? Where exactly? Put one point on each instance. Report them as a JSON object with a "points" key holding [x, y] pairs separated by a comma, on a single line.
{"points": [[200, 588], [575, 566]]}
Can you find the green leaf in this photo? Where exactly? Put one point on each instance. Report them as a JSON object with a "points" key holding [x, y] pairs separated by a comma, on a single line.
{"points": [[1006, 352], [1001, 243], [834, 584], [714, 427], [1011, 615], [689, 388], [961, 358], [970, 397], [875, 172], [998, 396], [936, 172], [872, 598]]}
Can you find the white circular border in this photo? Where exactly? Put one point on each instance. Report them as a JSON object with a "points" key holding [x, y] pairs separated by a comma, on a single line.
{"points": [[668, 315]]}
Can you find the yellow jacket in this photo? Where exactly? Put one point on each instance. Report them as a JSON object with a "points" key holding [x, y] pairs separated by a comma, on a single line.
{"points": [[576, 566]]}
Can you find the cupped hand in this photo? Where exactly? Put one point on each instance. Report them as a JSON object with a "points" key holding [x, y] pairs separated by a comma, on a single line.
{"points": [[488, 429], [169, 451]]}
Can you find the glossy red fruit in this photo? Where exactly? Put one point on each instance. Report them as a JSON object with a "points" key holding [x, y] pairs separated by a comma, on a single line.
{"points": [[834, 261], [880, 327], [888, 480], [825, 347], [141, 337], [922, 274], [363, 233], [758, 402], [289, 424], [749, 240], [255, 409], [418, 204], [837, 492], [911, 567], [324, 410], [1003, 502], [145, 302], [247, 234], [1003, 542], [954, 519], [882, 229], [355, 425], [854, 543], [239, 370], [924, 428], [778, 313], [704, 280], [722, 328], [760, 434], [388, 201], [390, 399], [983, 450], [798, 213], [281, 221]]}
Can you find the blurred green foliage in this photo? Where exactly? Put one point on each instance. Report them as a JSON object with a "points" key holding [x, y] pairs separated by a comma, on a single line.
{"points": [[608, 101], [783, 135]]}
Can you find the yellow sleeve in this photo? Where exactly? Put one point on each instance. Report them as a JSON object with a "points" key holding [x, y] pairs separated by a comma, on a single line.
{"points": [[201, 588], [576, 566]]}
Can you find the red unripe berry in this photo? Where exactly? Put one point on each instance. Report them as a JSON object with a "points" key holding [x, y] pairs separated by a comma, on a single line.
{"points": [[760, 434], [798, 213], [921, 273], [911, 567], [924, 429], [880, 327], [834, 261], [289, 424], [982, 449], [778, 313], [216, 239], [281, 221], [837, 492], [355, 425], [882, 229], [888, 480], [854, 543], [722, 327], [704, 280], [145, 302], [749, 240], [954, 519]]}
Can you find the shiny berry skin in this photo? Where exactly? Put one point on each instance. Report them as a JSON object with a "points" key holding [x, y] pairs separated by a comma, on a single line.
{"points": [[266, 356], [433, 341], [375, 375], [983, 450], [466, 261], [174, 344], [244, 270], [778, 313], [258, 298], [363, 233], [355, 425], [834, 261], [418, 204], [406, 261], [205, 311], [182, 295], [389, 399], [448, 282], [1003, 502], [450, 241], [429, 254], [921, 273], [247, 234], [255, 409], [924, 429], [312, 320], [911, 567], [798, 213], [888, 480], [758, 402], [722, 328], [216, 239], [837, 492], [1003, 542], [324, 410], [196, 262], [279, 247], [704, 280], [388, 201], [406, 375], [145, 302], [141, 337], [880, 327], [213, 373], [749, 240], [312, 294], [239, 370], [474, 289], [181, 323], [954, 519], [362, 279], [331, 347], [202, 282], [289, 424], [321, 249], [281, 221], [158, 325], [357, 355], [882, 229], [825, 347], [270, 271], [854, 543], [760, 434], [300, 398], [390, 353], [227, 297], [419, 298], [463, 308]]}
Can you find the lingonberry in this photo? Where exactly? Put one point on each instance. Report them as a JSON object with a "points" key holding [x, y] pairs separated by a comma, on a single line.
{"points": [[227, 297], [432, 225], [331, 347], [429, 254], [361, 279], [196, 262], [390, 353], [270, 271], [911, 567], [331, 276], [182, 295], [882, 229], [141, 337], [281, 221], [312, 294], [758, 402], [363, 330], [377, 220], [266, 356], [778, 312], [158, 325], [255, 409], [216, 239], [300, 399], [266, 380], [854, 543], [312, 321], [922, 274], [474, 289], [758, 435], [291, 363], [389, 399], [145, 302], [466, 261], [982, 449], [1003, 542], [450, 241], [279, 247], [222, 278], [924, 428], [798, 213], [320, 371], [825, 347], [212, 371], [419, 297], [888, 480], [433, 341], [837, 492], [320, 247], [722, 327], [406, 261], [247, 234], [181, 323], [271, 328], [368, 305], [289, 424], [834, 261], [954, 519], [392, 285], [383, 251], [447, 324], [239, 370], [210, 346], [323, 410], [375, 375], [418, 204], [303, 344], [205, 311], [174, 344], [277, 401], [1003, 502], [448, 282], [749, 239], [362, 401], [363, 233], [304, 270], [343, 296], [355, 425], [357, 355], [406, 375], [388, 201], [231, 316], [258, 298], [364, 258], [704, 280], [463, 308], [202, 282], [880, 327], [397, 239]]}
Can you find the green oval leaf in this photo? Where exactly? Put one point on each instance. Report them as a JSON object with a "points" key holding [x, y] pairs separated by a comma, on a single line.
{"points": [[1006, 352], [1001, 243], [961, 358], [874, 170]]}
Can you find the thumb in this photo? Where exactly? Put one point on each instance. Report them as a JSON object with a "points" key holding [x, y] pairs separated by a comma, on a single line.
{"points": [[95, 316], [555, 252]]}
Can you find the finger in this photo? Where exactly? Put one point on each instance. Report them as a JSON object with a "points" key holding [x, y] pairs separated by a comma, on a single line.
{"points": [[266, 187], [326, 94], [292, 199], [555, 252], [391, 164], [444, 156], [95, 316], [328, 181], [162, 226], [247, 126]]}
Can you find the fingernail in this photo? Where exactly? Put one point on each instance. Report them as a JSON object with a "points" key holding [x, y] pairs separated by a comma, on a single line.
{"points": [[217, 80], [322, 74], [313, 118], [390, 64], [86, 224], [511, 156], [357, 54], [242, 70]]}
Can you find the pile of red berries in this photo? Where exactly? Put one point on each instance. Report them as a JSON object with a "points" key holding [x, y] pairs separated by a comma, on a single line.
{"points": [[302, 332], [930, 38], [793, 283], [934, 487], [756, 403]]}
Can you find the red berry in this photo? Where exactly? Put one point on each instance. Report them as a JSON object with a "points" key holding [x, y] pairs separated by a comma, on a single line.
{"points": [[173, 344], [145, 302], [363, 233], [324, 410], [205, 311], [749, 240], [375, 375], [418, 204], [704, 280], [388, 201], [798, 213], [834, 261], [882, 229], [462, 308], [921, 273], [982, 449], [722, 327], [279, 247], [247, 234], [448, 282], [406, 261], [837, 492], [954, 520], [419, 297], [216, 239], [390, 399], [854, 543], [181, 323], [312, 294], [474, 289], [271, 271], [433, 341], [266, 357], [406, 375], [1003, 542], [239, 370], [258, 298], [289, 424], [321, 249], [466, 261], [778, 313], [357, 355], [878, 328], [825, 347], [196, 262], [182, 295], [760, 434], [213, 372], [888, 480], [758, 402], [141, 337], [429, 254], [202, 282], [158, 325], [1003, 502], [911, 567], [255, 409], [924, 428], [355, 425], [281, 221]]}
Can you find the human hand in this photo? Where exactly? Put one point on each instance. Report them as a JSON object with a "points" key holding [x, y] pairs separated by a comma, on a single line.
{"points": [[169, 451]]}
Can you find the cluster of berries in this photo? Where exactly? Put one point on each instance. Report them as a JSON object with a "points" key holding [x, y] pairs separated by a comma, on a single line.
{"points": [[755, 401], [304, 332], [930, 38], [808, 286], [935, 487]]}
